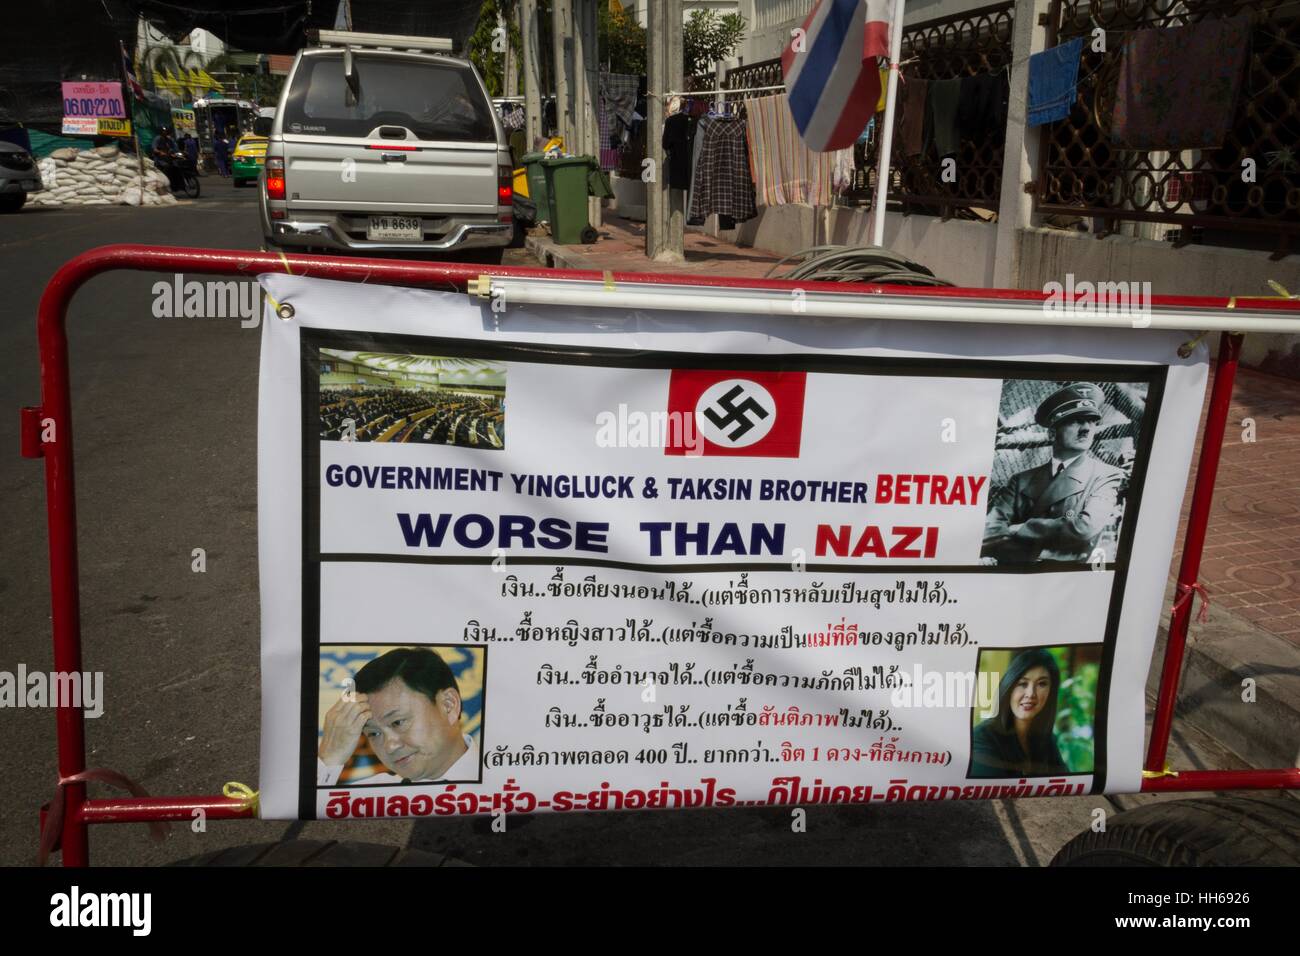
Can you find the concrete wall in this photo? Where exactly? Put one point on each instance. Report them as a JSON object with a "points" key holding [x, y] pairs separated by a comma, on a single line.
{"points": [[639, 9], [1046, 255], [629, 198], [961, 252], [965, 253]]}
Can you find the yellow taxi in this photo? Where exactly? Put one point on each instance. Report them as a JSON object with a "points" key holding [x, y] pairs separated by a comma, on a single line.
{"points": [[248, 159]]}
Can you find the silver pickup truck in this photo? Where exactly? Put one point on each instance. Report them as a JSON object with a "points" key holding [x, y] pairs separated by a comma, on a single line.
{"points": [[381, 143]]}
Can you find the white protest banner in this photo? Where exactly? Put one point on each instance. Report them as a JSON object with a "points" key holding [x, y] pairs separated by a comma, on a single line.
{"points": [[559, 559]]}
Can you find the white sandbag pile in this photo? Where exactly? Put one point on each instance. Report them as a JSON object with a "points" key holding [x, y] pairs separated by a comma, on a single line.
{"points": [[102, 176]]}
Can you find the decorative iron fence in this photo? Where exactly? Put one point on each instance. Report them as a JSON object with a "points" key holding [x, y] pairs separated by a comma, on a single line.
{"points": [[947, 48], [1084, 171], [968, 44], [753, 76]]}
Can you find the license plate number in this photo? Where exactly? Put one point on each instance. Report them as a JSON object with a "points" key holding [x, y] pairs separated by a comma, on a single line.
{"points": [[394, 227]]}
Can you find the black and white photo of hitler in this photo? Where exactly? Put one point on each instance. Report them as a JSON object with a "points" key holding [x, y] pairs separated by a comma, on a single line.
{"points": [[1061, 471]]}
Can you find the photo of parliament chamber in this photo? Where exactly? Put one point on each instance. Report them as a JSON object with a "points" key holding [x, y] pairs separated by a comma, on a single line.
{"points": [[420, 399]]}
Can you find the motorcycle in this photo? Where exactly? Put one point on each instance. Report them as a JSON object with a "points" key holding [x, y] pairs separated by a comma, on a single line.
{"points": [[182, 175]]}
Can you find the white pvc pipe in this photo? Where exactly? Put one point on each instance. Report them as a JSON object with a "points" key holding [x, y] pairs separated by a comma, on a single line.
{"points": [[887, 131], [871, 307]]}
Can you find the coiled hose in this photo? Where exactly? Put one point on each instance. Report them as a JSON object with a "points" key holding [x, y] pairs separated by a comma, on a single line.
{"points": [[855, 264]]}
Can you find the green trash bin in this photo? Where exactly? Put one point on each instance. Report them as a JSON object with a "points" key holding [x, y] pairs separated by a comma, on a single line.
{"points": [[537, 185], [567, 190], [598, 183]]}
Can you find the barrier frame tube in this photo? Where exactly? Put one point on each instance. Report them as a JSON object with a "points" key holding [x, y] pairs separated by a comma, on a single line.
{"points": [[56, 411]]}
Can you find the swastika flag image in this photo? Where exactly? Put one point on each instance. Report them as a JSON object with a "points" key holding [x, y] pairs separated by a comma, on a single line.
{"points": [[751, 414]]}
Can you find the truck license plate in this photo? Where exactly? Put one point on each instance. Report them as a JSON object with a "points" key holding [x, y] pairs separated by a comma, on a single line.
{"points": [[394, 227]]}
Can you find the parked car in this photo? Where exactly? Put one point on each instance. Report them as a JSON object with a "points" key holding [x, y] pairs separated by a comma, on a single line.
{"points": [[394, 149], [246, 162], [19, 176]]}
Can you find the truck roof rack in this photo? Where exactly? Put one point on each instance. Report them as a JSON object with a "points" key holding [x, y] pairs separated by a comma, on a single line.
{"points": [[383, 41]]}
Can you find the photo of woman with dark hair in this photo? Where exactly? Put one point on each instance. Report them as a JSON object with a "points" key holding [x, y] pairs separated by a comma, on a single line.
{"points": [[1018, 741]]}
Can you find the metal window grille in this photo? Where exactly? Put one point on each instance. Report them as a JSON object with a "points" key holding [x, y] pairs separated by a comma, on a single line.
{"points": [[1085, 172]]}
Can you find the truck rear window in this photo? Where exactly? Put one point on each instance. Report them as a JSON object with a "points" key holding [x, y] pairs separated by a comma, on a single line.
{"points": [[435, 101]]}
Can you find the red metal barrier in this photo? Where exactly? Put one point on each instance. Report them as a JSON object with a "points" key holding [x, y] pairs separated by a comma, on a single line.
{"points": [[47, 433]]}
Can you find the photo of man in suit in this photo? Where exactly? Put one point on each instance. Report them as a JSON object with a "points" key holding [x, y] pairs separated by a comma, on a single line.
{"points": [[1058, 510]]}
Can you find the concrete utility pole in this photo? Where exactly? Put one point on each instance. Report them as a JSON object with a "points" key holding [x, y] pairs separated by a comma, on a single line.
{"points": [[510, 81], [562, 33], [528, 35], [1020, 154], [665, 223], [586, 67]]}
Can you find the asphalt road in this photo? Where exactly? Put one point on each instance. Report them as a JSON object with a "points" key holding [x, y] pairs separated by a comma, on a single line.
{"points": [[166, 413]]}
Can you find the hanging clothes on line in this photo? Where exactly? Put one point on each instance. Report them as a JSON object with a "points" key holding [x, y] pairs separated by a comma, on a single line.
{"points": [[785, 170], [1053, 82], [1178, 87], [611, 145], [915, 108], [677, 142], [944, 98], [982, 106], [697, 141], [618, 94], [616, 113], [513, 117], [721, 183]]}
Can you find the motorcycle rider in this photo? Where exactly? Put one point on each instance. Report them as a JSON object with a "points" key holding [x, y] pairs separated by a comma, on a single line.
{"points": [[164, 155]]}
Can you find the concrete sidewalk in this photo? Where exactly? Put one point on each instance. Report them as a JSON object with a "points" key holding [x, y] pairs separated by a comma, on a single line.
{"points": [[1250, 645], [621, 248], [1251, 564]]}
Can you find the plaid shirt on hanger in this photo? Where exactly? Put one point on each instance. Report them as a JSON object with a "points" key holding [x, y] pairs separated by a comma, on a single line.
{"points": [[722, 182]]}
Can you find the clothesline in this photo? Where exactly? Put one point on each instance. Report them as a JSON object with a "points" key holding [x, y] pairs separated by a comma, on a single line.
{"points": [[742, 89]]}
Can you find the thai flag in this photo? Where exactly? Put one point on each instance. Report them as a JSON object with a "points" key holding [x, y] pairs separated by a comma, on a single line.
{"points": [[136, 89], [830, 71]]}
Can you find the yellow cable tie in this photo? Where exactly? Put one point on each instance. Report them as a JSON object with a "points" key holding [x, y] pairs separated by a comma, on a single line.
{"points": [[1189, 346], [609, 280], [275, 306], [243, 793], [285, 260], [1232, 301], [1157, 774]]}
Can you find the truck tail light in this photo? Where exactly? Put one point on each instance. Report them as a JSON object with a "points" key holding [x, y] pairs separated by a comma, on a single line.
{"points": [[505, 186], [274, 178]]}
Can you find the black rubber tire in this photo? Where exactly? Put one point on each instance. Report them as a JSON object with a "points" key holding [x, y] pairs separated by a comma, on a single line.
{"points": [[191, 183], [12, 202], [1208, 831], [319, 853], [589, 236]]}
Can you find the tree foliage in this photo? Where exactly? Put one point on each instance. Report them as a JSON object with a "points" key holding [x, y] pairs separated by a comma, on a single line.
{"points": [[621, 40], [708, 38], [483, 52]]}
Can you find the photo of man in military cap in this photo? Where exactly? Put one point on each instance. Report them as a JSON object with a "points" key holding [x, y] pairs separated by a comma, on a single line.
{"points": [[1058, 510]]}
